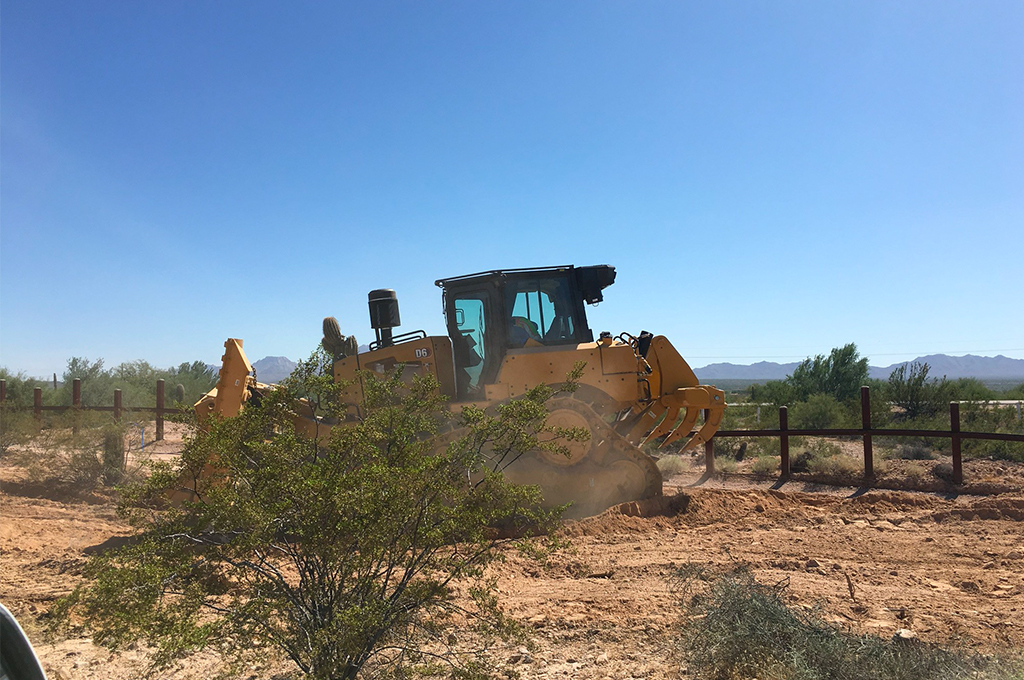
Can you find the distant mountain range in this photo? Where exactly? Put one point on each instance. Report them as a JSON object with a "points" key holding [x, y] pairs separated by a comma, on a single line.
{"points": [[968, 366], [273, 369], [276, 369]]}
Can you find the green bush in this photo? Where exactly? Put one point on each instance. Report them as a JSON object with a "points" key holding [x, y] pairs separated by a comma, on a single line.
{"points": [[764, 466], [734, 627], [914, 395], [136, 380], [775, 392], [360, 551], [995, 450], [20, 388], [819, 412], [672, 465], [913, 451], [838, 467], [725, 466], [16, 427]]}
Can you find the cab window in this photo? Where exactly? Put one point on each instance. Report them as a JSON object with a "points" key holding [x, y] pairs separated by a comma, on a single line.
{"points": [[541, 312], [468, 342]]}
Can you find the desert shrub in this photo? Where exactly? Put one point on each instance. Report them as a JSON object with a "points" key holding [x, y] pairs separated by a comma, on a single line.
{"points": [[910, 390], [732, 447], [916, 471], [913, 451], [764, 446], [672, 465], [819, 412], [71, 451], [971, 389], [764, 466], [994, 450], [815, 449], [16, 427], [735, 627], [135, 379], [19, 388], [114, 454], [944, 471], [346, 552], [775, 392], [725, 466], [838, 467]]}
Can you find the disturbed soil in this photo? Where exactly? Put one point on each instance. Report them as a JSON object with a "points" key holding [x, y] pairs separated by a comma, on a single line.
{"points": [[949, 567]]}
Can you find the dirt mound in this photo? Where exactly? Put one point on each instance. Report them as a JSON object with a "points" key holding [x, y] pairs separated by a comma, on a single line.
{"points": [[887, 502], [1011, 509], [693, 508]]}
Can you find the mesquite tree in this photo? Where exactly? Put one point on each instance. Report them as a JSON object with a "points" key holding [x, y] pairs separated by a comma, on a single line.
{"points": [[362, 548]]}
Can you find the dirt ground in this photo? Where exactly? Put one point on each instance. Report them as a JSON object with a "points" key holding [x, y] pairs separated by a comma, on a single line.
{"points": [[948, 567]]}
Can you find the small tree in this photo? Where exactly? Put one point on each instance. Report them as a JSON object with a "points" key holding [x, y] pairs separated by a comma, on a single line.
{"points": [[344, 551], [840, 374], [916, 396]]}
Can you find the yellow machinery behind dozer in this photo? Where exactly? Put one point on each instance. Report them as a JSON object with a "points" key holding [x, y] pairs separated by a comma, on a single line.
{"points": [[509, 330]]}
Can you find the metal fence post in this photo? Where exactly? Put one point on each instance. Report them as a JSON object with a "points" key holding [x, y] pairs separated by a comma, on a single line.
{"points": [[865, 417], [784, 470], [954, 427], [709, 451], [159, 409]]}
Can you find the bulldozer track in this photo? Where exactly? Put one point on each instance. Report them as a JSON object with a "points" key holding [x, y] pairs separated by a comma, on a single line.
{"points": [[610, 470]]}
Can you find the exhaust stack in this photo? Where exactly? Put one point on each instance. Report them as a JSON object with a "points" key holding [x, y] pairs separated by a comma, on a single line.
{"points": [[384, 315]]}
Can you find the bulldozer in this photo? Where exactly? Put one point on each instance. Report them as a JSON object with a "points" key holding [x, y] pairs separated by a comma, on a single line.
{"points": [[510, 330]]}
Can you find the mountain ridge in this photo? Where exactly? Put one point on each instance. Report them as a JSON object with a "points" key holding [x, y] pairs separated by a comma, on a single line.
{"points": [[966, 366], [272, 369]]}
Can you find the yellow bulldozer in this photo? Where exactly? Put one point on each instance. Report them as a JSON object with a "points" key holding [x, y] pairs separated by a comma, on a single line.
{"points": [[512, 329]]}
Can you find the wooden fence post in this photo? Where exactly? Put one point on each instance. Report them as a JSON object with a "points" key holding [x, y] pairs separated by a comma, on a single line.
{"points": [[160, 409], [76, 403], [954, 427], [865, 417], [117, 406], [3, 391], [784, 470], [37, 404]]}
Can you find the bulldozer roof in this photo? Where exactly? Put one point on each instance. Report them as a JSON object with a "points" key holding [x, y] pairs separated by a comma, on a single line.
{"points": [[500, 273], [590, 280]]}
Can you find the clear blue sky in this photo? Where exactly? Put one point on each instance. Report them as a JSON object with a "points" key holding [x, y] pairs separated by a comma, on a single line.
{"points": [[771, 179]]}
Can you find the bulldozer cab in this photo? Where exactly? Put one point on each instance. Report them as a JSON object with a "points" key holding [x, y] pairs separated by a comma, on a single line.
{"points": [[491, 312]]}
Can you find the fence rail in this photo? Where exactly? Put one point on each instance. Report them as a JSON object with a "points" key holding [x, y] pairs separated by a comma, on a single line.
{"points": [[783, 432], [866, 433], [159, 411]]}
